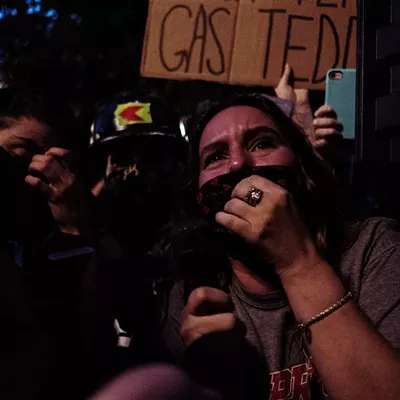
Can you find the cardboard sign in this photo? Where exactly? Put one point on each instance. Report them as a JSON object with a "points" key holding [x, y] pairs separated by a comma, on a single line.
{"points": [[248, 42]]}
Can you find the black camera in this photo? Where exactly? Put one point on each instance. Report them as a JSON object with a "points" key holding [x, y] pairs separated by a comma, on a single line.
{"points": [[200, 255]]}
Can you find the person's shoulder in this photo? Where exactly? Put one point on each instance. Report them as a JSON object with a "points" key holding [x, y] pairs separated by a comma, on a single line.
{"points": [[374, 235], [373, 228]]}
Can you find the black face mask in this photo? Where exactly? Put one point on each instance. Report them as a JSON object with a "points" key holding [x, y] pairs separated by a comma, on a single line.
{"points": [[214, 194], [139, 199], [24, 211], [137, 184]]}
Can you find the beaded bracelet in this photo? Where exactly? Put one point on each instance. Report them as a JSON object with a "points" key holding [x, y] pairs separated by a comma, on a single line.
{"points": [[304, 327]]}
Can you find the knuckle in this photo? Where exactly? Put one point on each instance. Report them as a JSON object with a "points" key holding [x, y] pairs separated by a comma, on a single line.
{"points": [[48, 159], [238, 188], [41, 168], [199, 295], [254, 180], [46, 164], [282, 197]]}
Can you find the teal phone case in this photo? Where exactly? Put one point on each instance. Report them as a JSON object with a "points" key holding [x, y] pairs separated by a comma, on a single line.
{"points": [[341, 96]]}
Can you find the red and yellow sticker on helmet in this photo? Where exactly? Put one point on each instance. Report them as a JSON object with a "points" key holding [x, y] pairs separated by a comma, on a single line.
{"points": [[133, 113]]}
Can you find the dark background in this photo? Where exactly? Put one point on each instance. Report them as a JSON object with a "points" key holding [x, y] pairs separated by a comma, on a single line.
{"points": [[87, 50]]}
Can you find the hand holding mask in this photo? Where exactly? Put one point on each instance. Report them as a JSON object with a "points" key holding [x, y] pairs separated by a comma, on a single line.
{"points": [[269, 222]]}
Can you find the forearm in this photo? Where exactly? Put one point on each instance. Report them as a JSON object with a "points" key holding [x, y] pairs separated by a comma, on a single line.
{"points": [[344, 343], [303, 117]]}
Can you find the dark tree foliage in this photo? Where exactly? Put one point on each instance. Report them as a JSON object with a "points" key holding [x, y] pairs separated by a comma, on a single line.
{"points": [[87, 52]]}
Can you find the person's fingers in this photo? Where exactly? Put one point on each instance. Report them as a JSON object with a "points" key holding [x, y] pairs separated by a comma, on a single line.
{"points": [[58, 152], [39, 166], [320, 143], [233, 223], [328, 123], [38, 183], [328, 133], [98, 188], [42, 158], [193, 328], [239, 208], [206, 301], [325, 111], [50, 169], [63, 156]]}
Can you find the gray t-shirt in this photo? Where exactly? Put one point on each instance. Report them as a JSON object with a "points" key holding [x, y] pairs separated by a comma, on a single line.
{"points": [[369, 268]]}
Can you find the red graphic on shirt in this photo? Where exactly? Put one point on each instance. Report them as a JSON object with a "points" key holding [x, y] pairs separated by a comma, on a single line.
{"points": [[293, 384]]}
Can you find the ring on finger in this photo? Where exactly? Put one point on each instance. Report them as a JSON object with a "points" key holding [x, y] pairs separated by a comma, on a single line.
{"points": [[254, 196]]}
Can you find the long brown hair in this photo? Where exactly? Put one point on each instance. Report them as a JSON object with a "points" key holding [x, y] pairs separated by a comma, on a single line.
{"points": [[317, 200]]}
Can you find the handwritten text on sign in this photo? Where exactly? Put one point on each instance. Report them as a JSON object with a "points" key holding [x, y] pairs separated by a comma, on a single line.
{"points": [[249, 41]]}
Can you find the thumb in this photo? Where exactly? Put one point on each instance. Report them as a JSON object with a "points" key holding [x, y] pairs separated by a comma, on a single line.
{"points": [[285, 79], [284, 90]]}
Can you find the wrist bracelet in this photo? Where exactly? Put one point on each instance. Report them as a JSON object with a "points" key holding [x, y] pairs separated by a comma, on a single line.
{"points": [[303, 328]]}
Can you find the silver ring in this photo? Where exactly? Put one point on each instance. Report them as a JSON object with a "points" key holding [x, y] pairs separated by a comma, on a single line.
{"points": [[254, 196]]}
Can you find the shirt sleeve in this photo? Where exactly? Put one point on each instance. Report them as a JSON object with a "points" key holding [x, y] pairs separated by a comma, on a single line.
{"points": [[379, 297], [172, 340]]}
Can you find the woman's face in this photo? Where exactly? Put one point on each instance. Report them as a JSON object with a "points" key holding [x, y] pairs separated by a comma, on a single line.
{"points": [[237, 137]]}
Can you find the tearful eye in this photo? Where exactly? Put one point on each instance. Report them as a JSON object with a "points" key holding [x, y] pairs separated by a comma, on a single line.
{"points": [[213, 158], [262, 144]]}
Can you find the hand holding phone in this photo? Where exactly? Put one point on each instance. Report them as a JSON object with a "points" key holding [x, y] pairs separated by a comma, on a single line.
{"points": [[341, 97]]}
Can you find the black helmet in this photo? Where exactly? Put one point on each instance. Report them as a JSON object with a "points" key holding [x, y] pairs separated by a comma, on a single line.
{"points": [[129, 114]]}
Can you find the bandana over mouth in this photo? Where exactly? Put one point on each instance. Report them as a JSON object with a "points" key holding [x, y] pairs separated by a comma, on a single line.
{"points": [[214, 194]]}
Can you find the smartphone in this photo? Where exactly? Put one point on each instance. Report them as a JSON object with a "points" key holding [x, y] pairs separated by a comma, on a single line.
{"points": [[341, 96]]}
